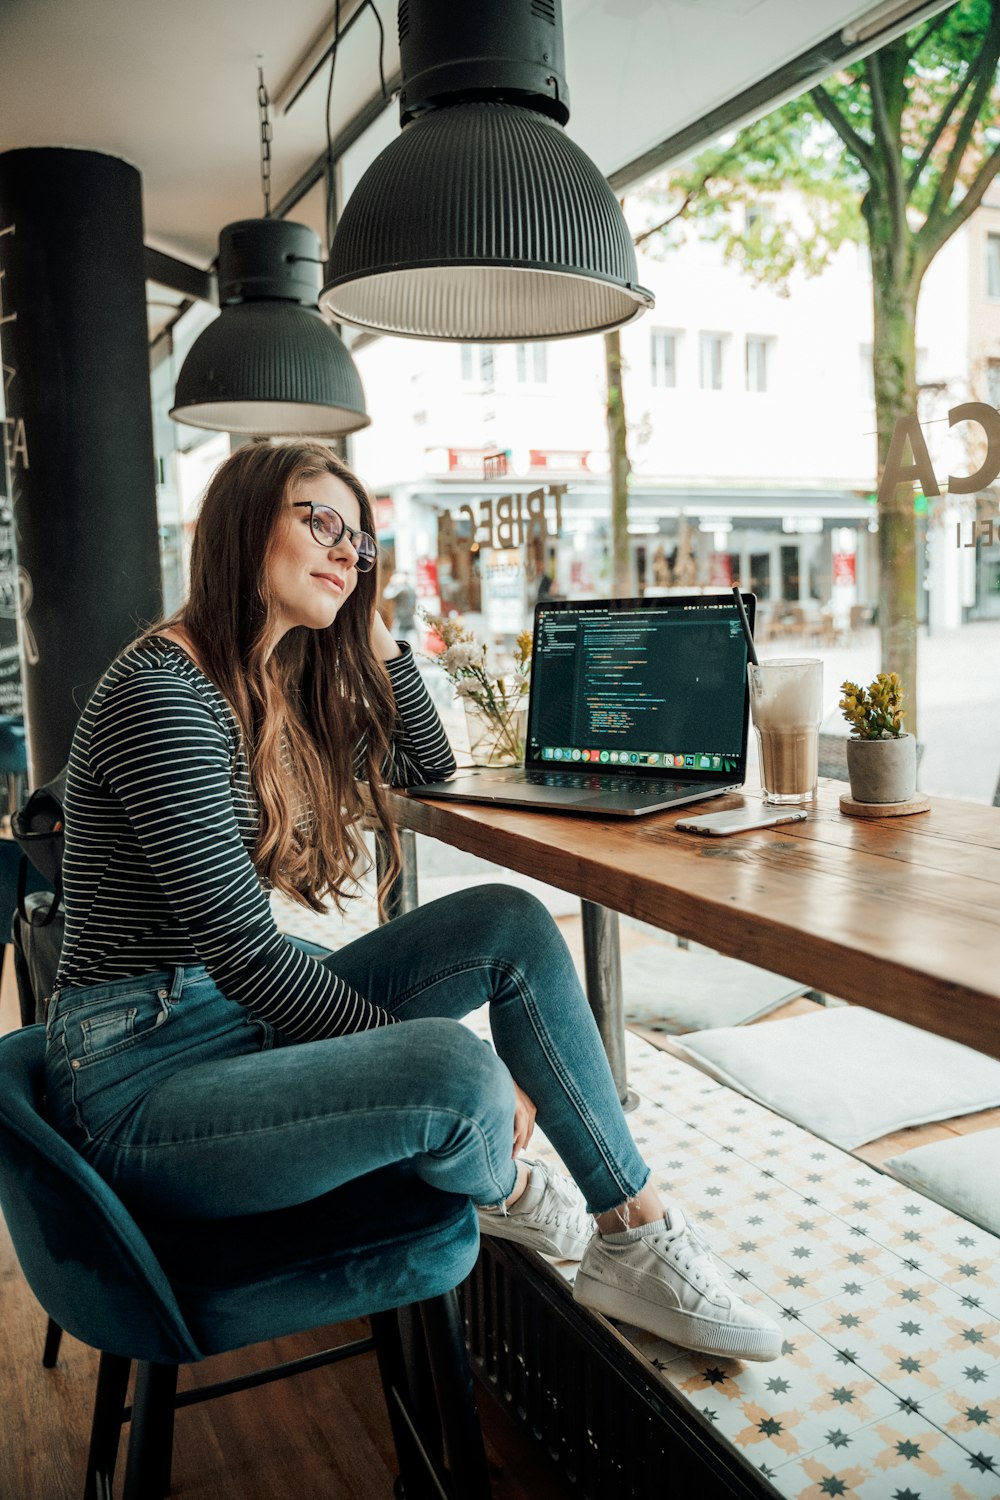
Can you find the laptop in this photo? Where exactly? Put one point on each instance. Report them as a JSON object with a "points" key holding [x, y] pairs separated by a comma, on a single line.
{"points": [[636, 705]]}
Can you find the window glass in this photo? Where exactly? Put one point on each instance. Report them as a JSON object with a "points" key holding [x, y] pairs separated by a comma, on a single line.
{"points": [[993, 265], [663, 354], [770, 278], [531, 363], [711, 361], [477, 362], [756, 363]]}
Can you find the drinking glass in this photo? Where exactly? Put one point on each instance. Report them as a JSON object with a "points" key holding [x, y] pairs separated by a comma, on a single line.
{"points": [[786, 697]]}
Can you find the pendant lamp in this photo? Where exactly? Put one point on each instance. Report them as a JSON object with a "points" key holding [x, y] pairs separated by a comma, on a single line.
{"points": [[269, 364], [483, 221]]}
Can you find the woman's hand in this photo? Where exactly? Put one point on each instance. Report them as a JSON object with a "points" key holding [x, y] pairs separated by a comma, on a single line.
{"points": [[524, 1119], [383, 645]]}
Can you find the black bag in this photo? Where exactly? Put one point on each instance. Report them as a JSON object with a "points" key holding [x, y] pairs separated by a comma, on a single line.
{"points": [[37, 939], [38, 827]]}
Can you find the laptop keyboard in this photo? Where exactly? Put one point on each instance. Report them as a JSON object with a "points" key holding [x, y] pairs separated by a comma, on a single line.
{"points": [[625, 786]]}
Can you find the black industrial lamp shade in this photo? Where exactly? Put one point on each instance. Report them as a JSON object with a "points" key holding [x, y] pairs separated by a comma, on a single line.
{"points": [[269, 364], [483, 221]]}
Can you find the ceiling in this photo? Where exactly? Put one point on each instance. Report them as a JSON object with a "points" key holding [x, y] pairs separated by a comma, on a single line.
{"points": [[171, 86]]}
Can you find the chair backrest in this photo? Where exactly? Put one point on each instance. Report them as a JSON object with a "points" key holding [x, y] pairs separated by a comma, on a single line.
{"points": [[83, 1255], [833, 756]]}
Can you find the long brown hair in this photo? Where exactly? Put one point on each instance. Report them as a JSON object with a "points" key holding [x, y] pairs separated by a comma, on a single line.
{"points": [[304, 707]]}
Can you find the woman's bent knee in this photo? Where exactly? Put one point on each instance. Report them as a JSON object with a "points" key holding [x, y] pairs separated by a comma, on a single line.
{"points": [[501, 921], [458, 1070]]}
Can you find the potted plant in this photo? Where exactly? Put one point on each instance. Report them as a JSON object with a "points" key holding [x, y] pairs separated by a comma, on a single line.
{"points": [[881, 757]]}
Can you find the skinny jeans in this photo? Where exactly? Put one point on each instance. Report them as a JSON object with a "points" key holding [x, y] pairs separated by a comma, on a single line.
{"points": [[190, 1106]]}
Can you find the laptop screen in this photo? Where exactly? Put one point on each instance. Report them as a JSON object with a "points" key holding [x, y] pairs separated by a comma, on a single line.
{"points": [[650, 686]]}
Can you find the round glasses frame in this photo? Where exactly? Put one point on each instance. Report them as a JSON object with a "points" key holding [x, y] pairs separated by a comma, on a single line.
{"points": [[327, 527]]}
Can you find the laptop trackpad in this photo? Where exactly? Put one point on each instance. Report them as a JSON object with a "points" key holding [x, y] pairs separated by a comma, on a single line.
{"points": [[552, 794]]}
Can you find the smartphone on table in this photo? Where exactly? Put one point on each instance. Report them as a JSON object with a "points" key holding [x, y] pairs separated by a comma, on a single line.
{"points": [[740, 818]]}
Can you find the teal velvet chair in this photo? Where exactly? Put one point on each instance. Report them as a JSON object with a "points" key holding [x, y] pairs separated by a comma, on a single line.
{"points": [[165, 1293]]}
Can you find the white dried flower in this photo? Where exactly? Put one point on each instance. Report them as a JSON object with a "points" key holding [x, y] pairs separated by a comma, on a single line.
{"points": [[459, 657], [466, 688]]}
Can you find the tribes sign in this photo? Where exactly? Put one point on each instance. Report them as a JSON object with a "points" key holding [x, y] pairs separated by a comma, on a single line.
{"points": [[509, 520]]}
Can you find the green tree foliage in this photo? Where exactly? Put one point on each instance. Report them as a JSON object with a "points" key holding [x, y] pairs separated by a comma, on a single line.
{"points": [[899, 150]]}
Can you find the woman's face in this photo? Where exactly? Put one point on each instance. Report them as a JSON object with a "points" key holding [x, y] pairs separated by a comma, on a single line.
{"points": [[310, 583]]}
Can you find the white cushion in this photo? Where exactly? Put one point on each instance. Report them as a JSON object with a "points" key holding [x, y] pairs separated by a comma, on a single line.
{"points": [[962, 1173], [680, 989], [849, 1074]]}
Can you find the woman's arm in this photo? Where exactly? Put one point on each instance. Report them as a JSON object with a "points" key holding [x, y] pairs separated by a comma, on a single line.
{"points": [[160, 748], [419, 749]]}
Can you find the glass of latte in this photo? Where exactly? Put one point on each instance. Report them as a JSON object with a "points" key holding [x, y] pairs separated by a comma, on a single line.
{"points": [[786, 697]]}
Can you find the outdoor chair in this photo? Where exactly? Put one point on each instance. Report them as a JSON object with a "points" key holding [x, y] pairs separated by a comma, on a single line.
{"points": [[385, 1246]]}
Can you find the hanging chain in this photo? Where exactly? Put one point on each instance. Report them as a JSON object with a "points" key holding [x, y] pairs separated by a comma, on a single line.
{"points": [[263, 105]]}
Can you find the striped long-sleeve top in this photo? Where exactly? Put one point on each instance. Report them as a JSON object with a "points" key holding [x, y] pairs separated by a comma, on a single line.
{"points": [[161, 822]]}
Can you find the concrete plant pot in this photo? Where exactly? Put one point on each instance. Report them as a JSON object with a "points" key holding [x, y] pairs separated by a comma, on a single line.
{"points": [[883, 770]]}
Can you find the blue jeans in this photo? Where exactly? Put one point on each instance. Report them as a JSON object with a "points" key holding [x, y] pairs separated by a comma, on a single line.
{"points": [[189, 1106]]}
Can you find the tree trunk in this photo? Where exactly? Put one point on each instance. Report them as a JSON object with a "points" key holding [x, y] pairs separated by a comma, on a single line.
{"points": [[895, 377], [621, 570]]}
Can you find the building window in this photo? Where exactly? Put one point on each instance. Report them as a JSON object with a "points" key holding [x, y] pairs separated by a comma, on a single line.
{"points": [[663, 354], [477, 363], [993, 382], [756, 363], [711, 361], [532, 363], [993, 265]]}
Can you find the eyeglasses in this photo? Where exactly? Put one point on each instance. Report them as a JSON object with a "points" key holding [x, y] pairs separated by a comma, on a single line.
{"points": [[328, 527]]}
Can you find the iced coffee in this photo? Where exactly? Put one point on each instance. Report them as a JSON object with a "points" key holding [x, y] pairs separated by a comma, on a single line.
{"points": [[786, 698]]}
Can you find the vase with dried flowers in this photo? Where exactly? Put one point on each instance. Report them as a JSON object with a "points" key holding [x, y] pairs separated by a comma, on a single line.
{"points": [[496, 704], [881, 758]]}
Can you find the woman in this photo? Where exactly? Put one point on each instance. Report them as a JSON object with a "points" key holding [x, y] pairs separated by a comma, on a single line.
{"points": [[208, 1066]]}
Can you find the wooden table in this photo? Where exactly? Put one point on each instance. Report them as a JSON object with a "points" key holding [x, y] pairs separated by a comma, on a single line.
{"points": [[901, 915]]}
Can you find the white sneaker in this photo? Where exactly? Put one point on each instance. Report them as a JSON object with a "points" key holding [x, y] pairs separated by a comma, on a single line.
{"points": [[550, 1216], [666, 1280]]}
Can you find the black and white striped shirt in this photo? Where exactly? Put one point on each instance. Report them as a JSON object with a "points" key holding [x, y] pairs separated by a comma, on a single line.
{"points": [[161, 822]]}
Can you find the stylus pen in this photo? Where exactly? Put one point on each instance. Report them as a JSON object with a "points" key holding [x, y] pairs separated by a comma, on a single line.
{"points": [[751, 648]]}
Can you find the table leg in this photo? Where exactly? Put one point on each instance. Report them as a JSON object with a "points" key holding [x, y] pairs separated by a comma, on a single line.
{"points": [[402, 896], [603, 969]]}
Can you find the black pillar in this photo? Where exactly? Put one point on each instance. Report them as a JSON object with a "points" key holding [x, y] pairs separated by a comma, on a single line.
{"points": [[78, 432]]}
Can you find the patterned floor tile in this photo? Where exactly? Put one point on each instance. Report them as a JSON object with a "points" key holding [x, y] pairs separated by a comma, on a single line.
{"points": [[970, 1415], [804, 1258], [912, 1333], [899, 1457], [773, 1413]]}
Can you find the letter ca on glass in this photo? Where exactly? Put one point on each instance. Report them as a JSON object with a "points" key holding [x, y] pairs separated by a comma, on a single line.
{"points": [[908, 431]]}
